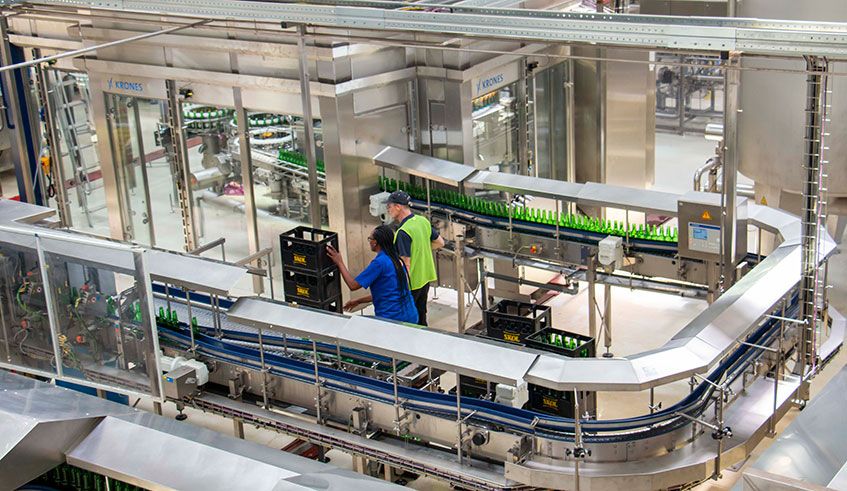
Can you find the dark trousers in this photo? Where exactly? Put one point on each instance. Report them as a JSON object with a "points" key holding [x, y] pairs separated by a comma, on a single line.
{"points": [[420, 296]]}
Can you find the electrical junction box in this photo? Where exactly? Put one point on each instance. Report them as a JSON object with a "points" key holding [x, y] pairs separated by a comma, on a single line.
{"points": [[700, 227], [379, 209], [610, 252], [179, 382]]}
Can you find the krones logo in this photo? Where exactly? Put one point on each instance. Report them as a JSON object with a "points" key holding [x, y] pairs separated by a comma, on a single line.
{"points": [[124, 85], [488, 82]]}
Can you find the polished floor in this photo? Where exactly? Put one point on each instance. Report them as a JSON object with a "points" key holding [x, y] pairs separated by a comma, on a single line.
{"points": [[640, 321]]}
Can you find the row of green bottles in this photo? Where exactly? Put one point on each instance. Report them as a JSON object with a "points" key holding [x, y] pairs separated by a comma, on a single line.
{"points": [[68, 477], [568, 342], [299, 159], [532, 215], [167, 319], [170, 320]]}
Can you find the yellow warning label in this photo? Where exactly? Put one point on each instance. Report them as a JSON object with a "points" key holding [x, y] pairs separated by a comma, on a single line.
{"points": [[303, 292], [764, 201], [706, 215], [298, 259]]}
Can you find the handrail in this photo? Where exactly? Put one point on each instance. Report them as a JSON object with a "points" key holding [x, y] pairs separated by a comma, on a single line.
{"points": [[203, 248], [259, 271]]}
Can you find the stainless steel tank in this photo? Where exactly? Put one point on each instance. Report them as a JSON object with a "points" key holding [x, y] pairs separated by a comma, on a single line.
{"points": [[770, 126]]}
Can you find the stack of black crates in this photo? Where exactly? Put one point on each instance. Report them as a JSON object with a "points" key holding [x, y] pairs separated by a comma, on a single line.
{"points": [[558, 402], [530, 325], [513, 321], [309, 276]]}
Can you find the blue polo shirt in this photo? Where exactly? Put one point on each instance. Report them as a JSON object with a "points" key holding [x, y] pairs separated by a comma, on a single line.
{"points": [[389, 302]]}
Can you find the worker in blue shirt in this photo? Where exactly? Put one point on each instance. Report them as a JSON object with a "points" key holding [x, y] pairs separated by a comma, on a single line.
{"points": [[386, 277]]}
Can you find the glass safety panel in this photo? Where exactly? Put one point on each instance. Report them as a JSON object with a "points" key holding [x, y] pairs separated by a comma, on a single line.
{"points": [[70, 101], [101, 301], [127, 153], [281, 179], [217, 195], [26, 341], [495, 130], [551, 110], [142, 150]]}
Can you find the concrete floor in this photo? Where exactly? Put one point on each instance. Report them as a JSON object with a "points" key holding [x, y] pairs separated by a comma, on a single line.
{"points": [[641, 321]]}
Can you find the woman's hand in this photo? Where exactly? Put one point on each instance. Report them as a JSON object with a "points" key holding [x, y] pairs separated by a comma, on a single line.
{"points": [[351, 305], [333, 255]]}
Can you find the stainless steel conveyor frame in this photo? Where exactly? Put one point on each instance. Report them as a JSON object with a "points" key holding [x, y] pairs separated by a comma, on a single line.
{"points": [[697, 347]]}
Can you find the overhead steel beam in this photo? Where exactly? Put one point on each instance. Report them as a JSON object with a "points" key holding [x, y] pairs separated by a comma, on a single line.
{"points": [[78, 52], [669, 32]]}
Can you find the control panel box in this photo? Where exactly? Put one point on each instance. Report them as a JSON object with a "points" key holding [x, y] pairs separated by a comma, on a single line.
{"points": [[180, 382], [700, 227]]}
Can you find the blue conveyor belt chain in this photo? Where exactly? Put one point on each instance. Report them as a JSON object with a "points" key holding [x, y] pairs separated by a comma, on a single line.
{"points": [[523, 420]]}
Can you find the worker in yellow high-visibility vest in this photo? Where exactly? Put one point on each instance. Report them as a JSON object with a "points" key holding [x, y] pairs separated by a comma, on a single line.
{"points": [[415, 240]]}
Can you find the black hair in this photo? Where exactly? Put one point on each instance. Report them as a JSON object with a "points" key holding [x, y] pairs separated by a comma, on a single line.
{"points": [[384, 237]]}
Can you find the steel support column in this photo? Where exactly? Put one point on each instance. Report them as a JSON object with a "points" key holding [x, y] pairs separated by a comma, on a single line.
{"points": [[247, 186], [732, 77], [23, 140], [309, 150], [591, 277], [180, 166]]}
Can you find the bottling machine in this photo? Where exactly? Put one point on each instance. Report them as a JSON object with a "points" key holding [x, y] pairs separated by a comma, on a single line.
{"points": [[525, 136]]}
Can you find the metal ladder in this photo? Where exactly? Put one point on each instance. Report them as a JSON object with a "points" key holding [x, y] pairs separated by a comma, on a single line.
{"points": [[71, 127], [813, 280]]}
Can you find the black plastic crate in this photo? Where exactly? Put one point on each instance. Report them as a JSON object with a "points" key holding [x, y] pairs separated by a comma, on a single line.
{"points": [[312, 287], [514, 321], [560, 402], [331, 305], [580, 346], [304, 249], [475, 387]]}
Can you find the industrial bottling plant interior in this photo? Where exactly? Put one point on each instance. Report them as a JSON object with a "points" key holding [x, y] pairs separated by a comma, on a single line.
{"points": [[641, 287]]}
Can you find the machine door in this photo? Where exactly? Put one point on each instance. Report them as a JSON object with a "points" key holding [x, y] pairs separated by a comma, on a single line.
{"points": [[145, 178]]}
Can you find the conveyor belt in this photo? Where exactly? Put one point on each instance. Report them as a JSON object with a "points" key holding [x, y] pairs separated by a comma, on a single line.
{"points": [[486, 411], [543, 230]]}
